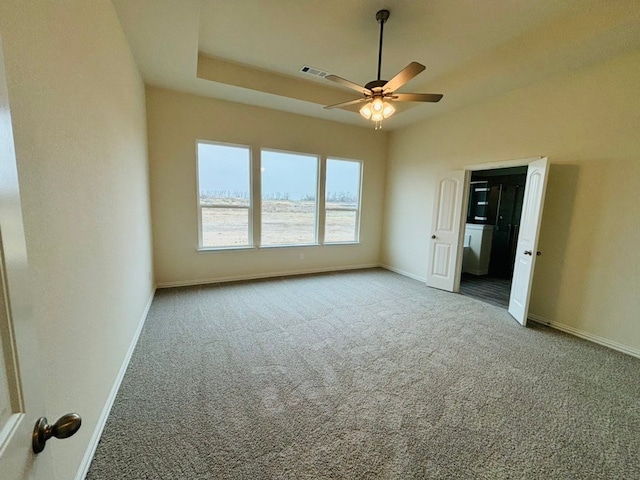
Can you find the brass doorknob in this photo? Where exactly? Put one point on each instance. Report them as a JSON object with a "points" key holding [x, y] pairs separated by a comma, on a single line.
{"points": [[66, 426]]}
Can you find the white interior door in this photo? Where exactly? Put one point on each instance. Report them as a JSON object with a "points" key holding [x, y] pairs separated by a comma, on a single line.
{"points": [[527, 244], [21, 401], [444, 248]]}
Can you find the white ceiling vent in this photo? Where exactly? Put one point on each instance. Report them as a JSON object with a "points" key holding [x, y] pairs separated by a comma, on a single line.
{"points": [[313, 71]]}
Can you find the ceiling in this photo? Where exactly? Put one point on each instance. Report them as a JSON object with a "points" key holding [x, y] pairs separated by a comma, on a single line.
{"points": [[251, 51]]}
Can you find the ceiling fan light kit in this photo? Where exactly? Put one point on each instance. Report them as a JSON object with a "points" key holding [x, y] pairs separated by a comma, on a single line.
{"points": [[377, 110], [377, 92]]}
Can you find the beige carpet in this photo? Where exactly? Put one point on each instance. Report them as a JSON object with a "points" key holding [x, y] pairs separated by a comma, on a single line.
{"points": [[364, 375]]}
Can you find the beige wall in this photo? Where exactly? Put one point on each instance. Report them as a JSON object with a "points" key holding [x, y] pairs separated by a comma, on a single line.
{"points": [[588, 124], [176, 120], [78, 114]]}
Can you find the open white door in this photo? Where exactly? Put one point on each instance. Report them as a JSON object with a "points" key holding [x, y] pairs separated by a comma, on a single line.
{"points": [[443, 271], [21, 401], [527, 245]]}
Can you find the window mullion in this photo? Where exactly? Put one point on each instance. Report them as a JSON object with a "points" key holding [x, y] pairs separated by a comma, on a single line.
{"points": [[255, 222], [321, 204], [356, 234]]}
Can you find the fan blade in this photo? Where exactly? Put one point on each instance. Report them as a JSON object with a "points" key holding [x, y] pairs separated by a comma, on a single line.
{"points": [[406, 74], [348, 84], [415, 97], [344, 104]]}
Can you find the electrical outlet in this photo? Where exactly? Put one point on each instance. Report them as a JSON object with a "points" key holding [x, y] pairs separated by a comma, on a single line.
{"points": [[302, 256]]}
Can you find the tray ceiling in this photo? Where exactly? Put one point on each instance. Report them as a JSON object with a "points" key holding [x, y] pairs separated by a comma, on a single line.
{"points": [[251, 51]]}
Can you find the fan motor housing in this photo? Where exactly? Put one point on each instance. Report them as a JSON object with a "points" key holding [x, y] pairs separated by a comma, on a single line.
{"points": [[375, 84]]}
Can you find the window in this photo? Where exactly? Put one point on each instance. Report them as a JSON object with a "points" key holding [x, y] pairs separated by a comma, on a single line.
{"points": [[289, 193], [287, 210], [224, 199], [342, 201]]}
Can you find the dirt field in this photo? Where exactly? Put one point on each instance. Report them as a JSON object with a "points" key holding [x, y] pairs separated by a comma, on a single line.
{"points": [[283, 223]]}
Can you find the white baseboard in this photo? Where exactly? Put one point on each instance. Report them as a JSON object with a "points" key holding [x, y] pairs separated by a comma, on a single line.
{"points": [[253, 276], [97, 433], [403, 273], [587, 336]]}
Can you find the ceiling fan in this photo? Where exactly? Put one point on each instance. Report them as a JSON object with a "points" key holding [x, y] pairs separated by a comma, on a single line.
{"points": [[376, 92]]}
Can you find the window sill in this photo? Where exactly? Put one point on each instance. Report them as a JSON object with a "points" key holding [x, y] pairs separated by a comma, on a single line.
{"points": [[224, 249], [293, 245], [268, 247]]}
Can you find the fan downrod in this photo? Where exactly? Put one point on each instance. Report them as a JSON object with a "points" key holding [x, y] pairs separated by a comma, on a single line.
{"points": [[381, 16]]}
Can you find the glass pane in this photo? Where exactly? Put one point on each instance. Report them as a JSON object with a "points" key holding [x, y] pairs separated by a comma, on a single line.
{"points": [[225, 227], [289, 187], [223, 180], [342, 192], [343, 183], [340, 226]]}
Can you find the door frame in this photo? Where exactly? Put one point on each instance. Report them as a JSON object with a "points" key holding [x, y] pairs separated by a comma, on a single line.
{"points": [[468, 170]]}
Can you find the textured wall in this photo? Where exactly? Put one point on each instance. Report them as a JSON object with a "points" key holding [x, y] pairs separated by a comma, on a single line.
{"points": [[587, 123], [80, 135]]}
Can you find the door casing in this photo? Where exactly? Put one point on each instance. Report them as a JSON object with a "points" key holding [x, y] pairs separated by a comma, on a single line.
{"points": [[467, 186], [458, 249]]}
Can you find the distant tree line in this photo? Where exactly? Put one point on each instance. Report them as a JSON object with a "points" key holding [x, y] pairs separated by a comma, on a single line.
{"points": [[224, 194], [333, 197], [280, 196], [341, 197]]}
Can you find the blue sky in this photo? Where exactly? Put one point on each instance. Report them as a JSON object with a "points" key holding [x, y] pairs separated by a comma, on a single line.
{"points": [[223, 168], [226, 168], [343, 176], [289, 173]]}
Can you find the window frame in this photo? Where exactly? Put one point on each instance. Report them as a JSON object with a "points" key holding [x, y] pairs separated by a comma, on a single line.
{"points": [[357, 209], [254, 210], [250, 209], [319, 182]]}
